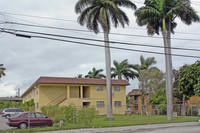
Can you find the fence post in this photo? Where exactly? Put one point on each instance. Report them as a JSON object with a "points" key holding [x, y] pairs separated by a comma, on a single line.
{"points": [[29, 115], [141, 111], [73, 116], [191, 112]]}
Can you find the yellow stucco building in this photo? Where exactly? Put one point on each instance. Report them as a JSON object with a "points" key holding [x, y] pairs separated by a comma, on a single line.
{"points": [[135, 106], [77, 92]]}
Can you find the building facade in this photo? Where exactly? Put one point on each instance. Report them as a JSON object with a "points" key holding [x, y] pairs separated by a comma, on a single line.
{"points": [[77, 92]]}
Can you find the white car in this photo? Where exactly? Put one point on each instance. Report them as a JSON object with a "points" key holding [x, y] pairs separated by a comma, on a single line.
{"points": [[10, 112]]}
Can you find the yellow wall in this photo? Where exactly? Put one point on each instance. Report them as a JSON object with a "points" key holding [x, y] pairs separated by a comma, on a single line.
{"points": [[52, 94]]}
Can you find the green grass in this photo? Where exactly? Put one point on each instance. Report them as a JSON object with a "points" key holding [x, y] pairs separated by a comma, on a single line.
{"points": [[120, 120]]}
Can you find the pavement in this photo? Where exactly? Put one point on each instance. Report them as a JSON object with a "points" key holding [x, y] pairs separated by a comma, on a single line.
{"points": [[139, 129]]}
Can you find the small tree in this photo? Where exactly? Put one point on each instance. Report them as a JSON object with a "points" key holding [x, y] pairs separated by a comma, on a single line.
{"points": [[29, 104], [150, 79]]}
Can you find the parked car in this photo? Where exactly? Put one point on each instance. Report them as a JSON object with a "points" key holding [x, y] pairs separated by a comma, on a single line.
{"points": [[10, 112], [31, 119]]}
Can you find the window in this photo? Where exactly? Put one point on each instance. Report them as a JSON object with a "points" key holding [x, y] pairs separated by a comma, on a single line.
{"points": [[100, 103], [19, 110], [99, 88], [116, 88], [37, 90], [37, 105], [29, 115], [38, 115], [118, 104], [135, 99], [136, 108]]}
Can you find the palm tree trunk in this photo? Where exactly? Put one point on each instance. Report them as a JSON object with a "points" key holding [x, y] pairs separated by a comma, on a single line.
{"points": [[168, 63], [108, 76]]}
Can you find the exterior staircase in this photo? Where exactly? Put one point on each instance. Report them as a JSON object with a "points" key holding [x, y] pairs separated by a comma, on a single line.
{"points": [[58, 100]]}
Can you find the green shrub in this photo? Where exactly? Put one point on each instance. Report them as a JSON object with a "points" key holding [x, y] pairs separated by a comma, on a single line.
{"points": [[59, 113], [194, 112], [86, 115], [29, 105]]}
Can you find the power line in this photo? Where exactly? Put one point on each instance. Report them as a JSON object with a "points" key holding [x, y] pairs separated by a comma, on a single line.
{"points": [[57, 19], [194, 3], [119, 34], [96, 40], [90, 44], [34, 16]]}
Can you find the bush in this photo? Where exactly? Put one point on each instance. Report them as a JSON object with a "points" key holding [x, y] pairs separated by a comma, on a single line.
{"points": [[28, 105], [194, 112], [86, 115], [59, 113]]}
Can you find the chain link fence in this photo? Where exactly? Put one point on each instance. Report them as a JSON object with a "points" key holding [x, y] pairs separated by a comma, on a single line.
{"points": [[93, 116]]}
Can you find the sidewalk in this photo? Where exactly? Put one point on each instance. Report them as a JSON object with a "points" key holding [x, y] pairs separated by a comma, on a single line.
{"points": [[138, 128]]}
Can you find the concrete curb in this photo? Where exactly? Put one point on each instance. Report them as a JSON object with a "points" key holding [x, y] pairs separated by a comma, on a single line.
{"points": [[127, 128]]}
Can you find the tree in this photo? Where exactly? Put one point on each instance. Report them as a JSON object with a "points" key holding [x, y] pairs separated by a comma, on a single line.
{"points": [[159, 99], [2, 69], [95, 12], [95, 74], [150, 79], [79, 76], [160, 15], [176, 93], [189, 80], [123, 69], [144, 63]]}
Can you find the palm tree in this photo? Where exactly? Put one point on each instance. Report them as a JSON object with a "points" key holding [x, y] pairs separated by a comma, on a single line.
{"points": [[123, 69], [79, 76], [95, 12], [2, 69], [144, 63], [160, 15], [95, 74]]}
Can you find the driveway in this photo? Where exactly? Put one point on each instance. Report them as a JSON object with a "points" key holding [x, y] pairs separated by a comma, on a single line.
{"points": [[3, 125]]}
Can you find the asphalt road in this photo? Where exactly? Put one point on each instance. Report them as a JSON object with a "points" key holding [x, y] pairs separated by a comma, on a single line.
{"points": [[188, 127], [3, 125]]}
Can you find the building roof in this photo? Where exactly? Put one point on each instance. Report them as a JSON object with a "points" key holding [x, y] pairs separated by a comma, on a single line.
{"points": [[136, 92], [65, 80], [11, 98]]}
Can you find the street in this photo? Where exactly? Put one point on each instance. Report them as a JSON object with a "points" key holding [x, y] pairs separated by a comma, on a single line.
{"points": [[3, 125], [187, 127]]}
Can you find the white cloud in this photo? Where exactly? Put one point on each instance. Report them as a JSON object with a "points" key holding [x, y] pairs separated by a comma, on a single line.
{"points": [[28, 59], [7, 89]]}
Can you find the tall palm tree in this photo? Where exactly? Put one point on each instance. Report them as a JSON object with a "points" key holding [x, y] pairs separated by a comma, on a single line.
{"points": [[95, 74], [144, 63], [160, 15], [2, 69], [103, 12], [123, 69]]}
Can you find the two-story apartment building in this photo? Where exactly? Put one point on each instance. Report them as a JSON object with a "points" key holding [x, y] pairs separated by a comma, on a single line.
{"points": [[136, 103], [77, 92]]}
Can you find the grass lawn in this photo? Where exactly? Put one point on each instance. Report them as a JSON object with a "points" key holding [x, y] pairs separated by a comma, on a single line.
{"points": [[119, 120]]}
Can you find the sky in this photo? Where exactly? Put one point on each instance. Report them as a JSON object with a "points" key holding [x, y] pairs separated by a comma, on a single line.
{"points": [[27, 59]]}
